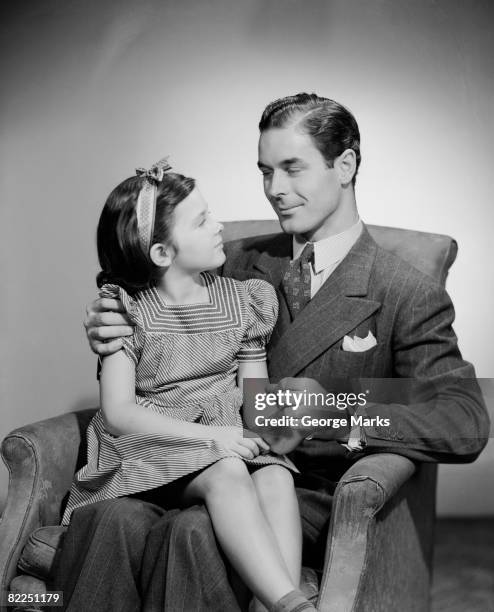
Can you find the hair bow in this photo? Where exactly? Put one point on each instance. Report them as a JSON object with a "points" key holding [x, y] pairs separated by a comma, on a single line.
{"points": [[156, 172], [146, 201]]}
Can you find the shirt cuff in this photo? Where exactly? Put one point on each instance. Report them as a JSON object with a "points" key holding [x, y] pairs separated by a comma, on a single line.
{"points": [[357, 440]]}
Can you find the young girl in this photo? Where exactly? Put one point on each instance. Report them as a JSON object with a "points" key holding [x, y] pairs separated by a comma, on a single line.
{"points": [[169, 423]]}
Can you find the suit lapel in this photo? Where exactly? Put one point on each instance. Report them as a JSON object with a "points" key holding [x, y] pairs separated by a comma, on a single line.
{"points": [[271, 266], [337, 308]]}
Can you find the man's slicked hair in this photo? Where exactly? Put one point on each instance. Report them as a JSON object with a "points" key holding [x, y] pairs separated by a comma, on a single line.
{"points": [[332, 127]]}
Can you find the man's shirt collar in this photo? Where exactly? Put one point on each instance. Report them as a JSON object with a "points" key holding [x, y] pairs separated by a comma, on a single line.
{"points": [[332, 250]]}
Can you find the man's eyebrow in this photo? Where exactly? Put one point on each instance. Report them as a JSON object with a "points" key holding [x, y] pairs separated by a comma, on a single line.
{"points": [[285, 162], [291, 161]]}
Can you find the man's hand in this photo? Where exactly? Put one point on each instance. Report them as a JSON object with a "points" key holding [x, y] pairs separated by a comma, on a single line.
{"points": [[297, 385], [106, 323], [301, 397], [283, 440]]}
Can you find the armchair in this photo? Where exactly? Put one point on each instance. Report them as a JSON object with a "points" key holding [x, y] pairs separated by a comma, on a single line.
{"points": [[379, 549]]}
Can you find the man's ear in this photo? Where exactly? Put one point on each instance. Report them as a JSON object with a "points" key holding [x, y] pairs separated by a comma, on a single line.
{"points": [[346, 166], [162, 254]]}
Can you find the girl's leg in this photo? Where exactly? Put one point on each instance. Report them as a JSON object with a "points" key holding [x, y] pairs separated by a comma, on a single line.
{"points": [[276, 494], [278, 501], [243, 533]]}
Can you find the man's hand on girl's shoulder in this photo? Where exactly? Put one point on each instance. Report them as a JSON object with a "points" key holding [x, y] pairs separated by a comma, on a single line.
{"points": [[106, 323]]}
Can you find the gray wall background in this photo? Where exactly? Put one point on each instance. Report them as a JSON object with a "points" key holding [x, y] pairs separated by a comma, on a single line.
{"points": [[92, 89]]}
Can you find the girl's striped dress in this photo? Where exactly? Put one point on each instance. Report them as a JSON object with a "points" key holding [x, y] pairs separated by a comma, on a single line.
{"points": [[186, 360]]}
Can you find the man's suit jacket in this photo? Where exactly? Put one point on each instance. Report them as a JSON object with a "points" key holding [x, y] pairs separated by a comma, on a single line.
{"points": [[411, 317]]}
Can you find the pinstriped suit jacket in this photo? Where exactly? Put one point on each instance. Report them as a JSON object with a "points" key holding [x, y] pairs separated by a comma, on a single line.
{"points": [[411, 317]]}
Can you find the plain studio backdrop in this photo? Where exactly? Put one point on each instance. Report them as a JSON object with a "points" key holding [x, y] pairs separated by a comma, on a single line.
{"points": [[91, 89]]}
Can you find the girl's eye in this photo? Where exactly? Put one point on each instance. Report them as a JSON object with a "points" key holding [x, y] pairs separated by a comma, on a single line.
{"points": [[205, 218], [293, 170]]}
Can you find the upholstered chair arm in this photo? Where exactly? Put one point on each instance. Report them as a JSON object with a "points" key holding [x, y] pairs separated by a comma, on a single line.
{"points": [[386, 471], [376, 524], [41, 459]]}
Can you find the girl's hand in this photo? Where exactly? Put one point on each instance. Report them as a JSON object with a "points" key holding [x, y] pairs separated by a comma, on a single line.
{"points": [[262, 445], [232, 439], [105, 325]]}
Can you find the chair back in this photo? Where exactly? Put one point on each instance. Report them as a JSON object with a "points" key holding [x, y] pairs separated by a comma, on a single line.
{"points": [[430, 253]]}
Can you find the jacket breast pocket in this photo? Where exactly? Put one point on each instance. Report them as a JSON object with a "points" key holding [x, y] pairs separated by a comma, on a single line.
{"points": [[337, 363]]}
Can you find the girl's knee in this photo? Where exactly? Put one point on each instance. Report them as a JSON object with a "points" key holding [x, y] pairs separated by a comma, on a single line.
{"points": [[229, 474], [231, 467], [273, 480]]}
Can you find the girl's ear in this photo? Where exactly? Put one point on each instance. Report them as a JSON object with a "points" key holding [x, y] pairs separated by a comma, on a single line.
{"points": [[161, 254]]}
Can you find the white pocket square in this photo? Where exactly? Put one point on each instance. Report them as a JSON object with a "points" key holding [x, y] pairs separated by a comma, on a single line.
{"points": [[359, 345]]}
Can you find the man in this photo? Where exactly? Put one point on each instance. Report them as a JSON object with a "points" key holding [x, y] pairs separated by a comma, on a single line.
{"points": [[336, 288]]}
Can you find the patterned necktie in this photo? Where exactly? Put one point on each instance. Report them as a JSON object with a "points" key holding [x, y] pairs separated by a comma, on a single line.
{"points": [[296, 281]]}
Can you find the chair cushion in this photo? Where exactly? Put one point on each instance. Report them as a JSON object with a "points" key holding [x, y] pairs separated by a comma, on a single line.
{"points": [[39, 552], [24, 585], [27, 584]]}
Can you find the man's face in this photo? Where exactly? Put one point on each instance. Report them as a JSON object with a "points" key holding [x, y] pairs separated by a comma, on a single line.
{"points": [[301, 188]]}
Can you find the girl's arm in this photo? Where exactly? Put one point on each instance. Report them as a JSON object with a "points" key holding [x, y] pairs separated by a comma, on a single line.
{"points": [[251, 369], [122, 415], [279, 440]]}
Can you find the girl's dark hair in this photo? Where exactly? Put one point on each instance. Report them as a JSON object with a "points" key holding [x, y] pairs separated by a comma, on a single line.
{"points": [[122, 259], [332, 127]]}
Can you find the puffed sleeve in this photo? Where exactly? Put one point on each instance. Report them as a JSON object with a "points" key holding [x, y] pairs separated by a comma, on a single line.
{"points": [[262, 312], [132, 345]]}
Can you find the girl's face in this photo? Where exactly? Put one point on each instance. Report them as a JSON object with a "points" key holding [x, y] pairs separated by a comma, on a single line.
{"points": [[196, 236]]}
